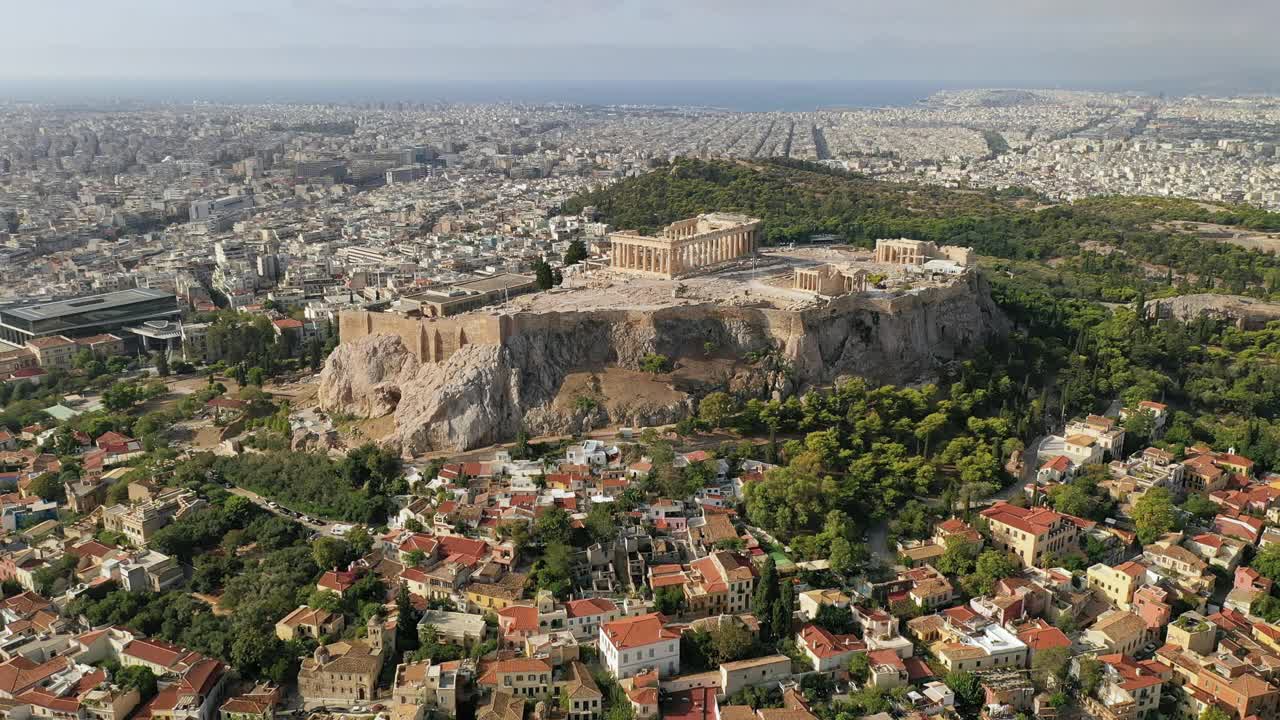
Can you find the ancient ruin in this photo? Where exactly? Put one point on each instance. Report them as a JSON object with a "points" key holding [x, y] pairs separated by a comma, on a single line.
{"points": [[686, 246]]}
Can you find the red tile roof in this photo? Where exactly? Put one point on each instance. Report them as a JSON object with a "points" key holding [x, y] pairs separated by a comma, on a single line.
{"points": [[638, 631]]}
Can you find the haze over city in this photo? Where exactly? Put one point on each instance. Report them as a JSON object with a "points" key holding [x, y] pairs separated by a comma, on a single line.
{"points": [[811, 53]]}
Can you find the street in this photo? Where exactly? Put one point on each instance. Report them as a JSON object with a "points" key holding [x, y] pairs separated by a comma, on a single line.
{"points": [[322, 527]]}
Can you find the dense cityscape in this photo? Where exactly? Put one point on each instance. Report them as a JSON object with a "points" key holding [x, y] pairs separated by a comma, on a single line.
{"points": [[960, 409]]}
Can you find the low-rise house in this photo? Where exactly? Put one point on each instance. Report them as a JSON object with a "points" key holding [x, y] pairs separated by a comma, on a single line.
{"points": [[580, 697], [1244, 527], [741, 674], [1035, 533], [828, 652], [516, 624], [1117, 632], [887, 670], [642, 692], [929, 588], [1116, 584], [962, 639], [1148, 469], [309, 622], [502, 705], [482, 597], [721, 583], [257, 704], [426, 684], [455, 627], [1040, 636], [526, 677], [1180, 566], [196, 696], [1217, 550], [812, 601], [1130, 689], [143, 571], [140, 522], [583, 618], [631, 645]]}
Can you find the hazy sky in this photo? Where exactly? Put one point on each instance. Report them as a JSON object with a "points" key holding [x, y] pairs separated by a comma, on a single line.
{"points": [[1146, 44]]}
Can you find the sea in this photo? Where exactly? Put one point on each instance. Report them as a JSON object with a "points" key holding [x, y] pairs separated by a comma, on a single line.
{"points": [[738, 96]]}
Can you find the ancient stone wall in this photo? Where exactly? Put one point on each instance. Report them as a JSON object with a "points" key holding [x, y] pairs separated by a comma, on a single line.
{"points": [[429, 339]]}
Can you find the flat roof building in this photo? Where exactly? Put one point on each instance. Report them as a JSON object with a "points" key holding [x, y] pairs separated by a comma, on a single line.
{"points": [[472, 294], [89, 315]]}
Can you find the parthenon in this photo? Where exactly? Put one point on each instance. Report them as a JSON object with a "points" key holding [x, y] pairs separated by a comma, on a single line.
{"points": [[686, 246]]}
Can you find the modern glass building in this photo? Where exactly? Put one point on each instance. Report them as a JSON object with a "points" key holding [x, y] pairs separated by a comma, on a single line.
{"points": [[89, 315]]}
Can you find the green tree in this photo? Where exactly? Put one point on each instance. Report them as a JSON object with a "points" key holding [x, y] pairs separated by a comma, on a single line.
{"points": [[842, 557], [1089, 673], [1213, 712], [669, 600], [553, 570], [732, 641], [576, 253], [553, 526], [654, 363], [859, 668], [162, 363], [1050, 662], [256, 376], [1200, 506], [967, 688], [716, 408], [1267, 562], [960, 557], [991, 567], [765, 596], [139, 677], [784, 610], [331, 553], [48, 487], [543, 275], [1154, 514], [315, 354], [838, 620], [407, 617], [928, 427], [121, 396]]}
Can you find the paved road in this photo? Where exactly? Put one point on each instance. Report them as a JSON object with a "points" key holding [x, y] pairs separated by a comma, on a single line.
{"points": [[323, 527]]}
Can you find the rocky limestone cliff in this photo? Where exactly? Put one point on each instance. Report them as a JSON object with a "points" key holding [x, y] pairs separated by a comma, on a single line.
{"points": [[1245, 312], [483, 394]]}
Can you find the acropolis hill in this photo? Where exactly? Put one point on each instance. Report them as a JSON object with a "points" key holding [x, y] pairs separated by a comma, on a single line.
{"points": [[761, 323]]}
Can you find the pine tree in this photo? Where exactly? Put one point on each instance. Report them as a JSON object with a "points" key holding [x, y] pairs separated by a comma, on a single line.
{"points": [[783, 611], [162, 363], [406, 621], [314, 354], [542, 271]]}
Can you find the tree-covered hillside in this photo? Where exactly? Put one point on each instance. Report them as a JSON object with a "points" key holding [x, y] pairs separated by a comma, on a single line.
{"points": [[1123, 237]]}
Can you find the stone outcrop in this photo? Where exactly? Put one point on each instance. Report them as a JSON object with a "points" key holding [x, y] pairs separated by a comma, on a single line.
{"points": [[364, 379], [1245, 312], [483, 393]]}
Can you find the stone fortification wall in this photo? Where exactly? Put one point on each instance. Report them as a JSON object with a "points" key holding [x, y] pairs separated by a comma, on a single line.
{"points": [[428, 339]]}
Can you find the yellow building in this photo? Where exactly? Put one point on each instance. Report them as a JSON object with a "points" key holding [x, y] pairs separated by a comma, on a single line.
{"points": [[1117, 584], [486, 596], [1032, 534]]}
